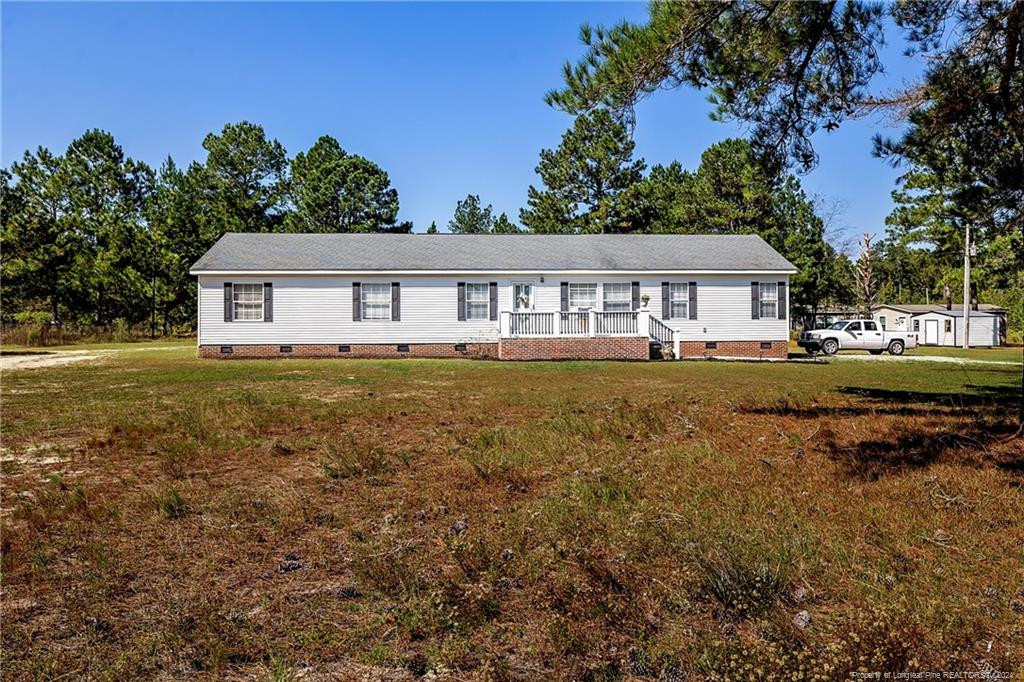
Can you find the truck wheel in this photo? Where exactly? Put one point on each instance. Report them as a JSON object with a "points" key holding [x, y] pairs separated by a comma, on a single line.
{"points": [[896, 348], [829, 346]]}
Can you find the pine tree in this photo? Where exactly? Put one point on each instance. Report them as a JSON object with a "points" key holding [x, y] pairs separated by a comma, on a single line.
{"points": [[246, 179], [502, 225], [583, 178], [471, 217], [334, 191]]}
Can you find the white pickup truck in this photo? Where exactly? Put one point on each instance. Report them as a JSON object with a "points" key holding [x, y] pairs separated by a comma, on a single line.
{"points": [[856, 335]]}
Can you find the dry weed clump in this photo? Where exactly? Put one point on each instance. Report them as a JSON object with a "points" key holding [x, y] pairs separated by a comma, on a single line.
{"points": [[882, 640]]}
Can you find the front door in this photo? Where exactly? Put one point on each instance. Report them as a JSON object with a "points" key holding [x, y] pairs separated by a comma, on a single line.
{"points": [[522, 297], [931, 332]]}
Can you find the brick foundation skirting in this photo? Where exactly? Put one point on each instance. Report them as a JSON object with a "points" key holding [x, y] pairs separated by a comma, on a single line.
{"points": [[556, 348], [575, 348], [355, 350], [778, 350]]}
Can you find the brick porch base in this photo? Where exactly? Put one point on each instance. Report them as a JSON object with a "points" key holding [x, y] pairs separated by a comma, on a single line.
{"points": [[570, 348]]}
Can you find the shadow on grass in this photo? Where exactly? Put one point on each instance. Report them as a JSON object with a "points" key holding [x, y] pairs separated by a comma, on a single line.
{"points": [[979, 427], [26, 352]]}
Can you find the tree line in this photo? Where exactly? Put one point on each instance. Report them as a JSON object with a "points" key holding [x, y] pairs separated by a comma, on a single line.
{"points": [[92, 237]]}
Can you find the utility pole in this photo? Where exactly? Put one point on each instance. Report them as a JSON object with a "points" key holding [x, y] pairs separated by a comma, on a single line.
{"points": [[967, 286]]}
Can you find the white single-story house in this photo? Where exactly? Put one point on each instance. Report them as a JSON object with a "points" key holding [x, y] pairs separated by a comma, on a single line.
{"points": [[516, 297], [945, 323]]}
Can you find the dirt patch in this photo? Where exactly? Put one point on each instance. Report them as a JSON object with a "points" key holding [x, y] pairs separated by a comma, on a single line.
{"points": [[57, 358]]}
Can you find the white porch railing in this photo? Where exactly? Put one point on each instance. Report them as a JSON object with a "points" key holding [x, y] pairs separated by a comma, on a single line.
{"points": [[661, 332], [529, 324], [575, 323], [617, 323]]}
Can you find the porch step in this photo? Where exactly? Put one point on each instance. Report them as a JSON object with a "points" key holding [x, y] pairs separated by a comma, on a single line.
{"points": [[659, 352]]}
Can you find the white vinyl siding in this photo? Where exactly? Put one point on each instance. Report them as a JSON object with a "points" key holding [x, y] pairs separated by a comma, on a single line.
{"points": [[617, 297], [679, 300], [769, 300], [247, 302], [376, 301], [477, 301], [582, 295], [318, 308]]}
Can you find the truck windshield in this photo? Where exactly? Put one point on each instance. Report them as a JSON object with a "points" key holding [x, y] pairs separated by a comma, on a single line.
{"points": [[838, 325]]}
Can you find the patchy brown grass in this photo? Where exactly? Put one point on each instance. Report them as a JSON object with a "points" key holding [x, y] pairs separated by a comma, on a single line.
{"points": [[165, 517]]}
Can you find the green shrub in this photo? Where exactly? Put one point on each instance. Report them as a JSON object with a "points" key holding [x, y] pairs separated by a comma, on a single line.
{"points": [[170, 503]]}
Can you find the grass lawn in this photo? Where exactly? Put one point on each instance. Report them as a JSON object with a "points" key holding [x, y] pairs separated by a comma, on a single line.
{"points": [[164, 516]]}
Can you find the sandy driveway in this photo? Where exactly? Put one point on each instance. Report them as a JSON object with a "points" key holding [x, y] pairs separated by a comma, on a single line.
{"points": [[922, 358], [52, 358]]}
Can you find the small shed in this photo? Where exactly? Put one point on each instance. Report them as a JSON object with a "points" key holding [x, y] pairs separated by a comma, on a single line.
{"points": [[898, 316], [946, 328]]}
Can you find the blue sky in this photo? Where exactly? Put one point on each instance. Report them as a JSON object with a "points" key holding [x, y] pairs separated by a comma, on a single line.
{"points": [[446, 97]]}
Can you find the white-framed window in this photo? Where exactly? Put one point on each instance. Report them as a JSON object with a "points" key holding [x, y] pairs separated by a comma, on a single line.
{"points": [[881, 321], [478, 301], [376, 300], [769, 300], [679, 300], [582, 295], [247, 300], [917, 325], [617, 297]]}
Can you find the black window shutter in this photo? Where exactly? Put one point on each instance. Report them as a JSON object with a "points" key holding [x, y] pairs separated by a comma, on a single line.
{"points": [[692, 288], [268, 301], [462, 301], [396, 301], [782, 300], [357, 303], [636, 295], [755, 301], [492, 291], [228, 317], [666, 302], [564, 295]]}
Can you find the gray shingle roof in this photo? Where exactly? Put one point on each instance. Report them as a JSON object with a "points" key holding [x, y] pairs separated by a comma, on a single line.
{"points": [[478, 253]]}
